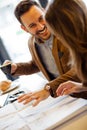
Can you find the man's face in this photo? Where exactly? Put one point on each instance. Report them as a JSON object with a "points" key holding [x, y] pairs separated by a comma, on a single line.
{"points": [[35, 24]]}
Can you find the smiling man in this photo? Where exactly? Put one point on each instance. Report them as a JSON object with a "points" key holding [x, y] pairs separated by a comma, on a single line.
{"points": [[48, 54], [33, 22], [31, 16]]}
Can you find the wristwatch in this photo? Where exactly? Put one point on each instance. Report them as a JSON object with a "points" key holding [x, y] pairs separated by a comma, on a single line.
{"points": [[48, 88]]}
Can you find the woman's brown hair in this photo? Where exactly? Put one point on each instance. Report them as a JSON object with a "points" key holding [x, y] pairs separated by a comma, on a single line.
{"points": [[68, 20]]}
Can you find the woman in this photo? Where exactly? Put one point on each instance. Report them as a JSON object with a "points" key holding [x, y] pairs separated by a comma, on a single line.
{"points": [[68, 21]]}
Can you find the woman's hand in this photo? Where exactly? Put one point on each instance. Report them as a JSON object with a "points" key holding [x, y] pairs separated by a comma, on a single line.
{"points": [[37, 96], [70, 87]]}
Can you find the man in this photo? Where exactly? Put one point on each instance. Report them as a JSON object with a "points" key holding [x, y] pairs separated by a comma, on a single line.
{"points": [[48, 55]]}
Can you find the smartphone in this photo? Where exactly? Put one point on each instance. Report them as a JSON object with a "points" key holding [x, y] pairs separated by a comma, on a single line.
{"points": [[6, 68]]}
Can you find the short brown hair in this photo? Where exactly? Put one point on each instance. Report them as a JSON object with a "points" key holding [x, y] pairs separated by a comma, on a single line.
{"points": [[23, 7]]}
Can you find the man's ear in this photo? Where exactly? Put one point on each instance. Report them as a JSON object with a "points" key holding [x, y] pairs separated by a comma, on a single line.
{"points": [[24, 28]]}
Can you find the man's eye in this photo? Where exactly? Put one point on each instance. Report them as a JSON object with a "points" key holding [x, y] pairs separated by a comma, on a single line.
{"points": [[33, 25], [40, 19]]}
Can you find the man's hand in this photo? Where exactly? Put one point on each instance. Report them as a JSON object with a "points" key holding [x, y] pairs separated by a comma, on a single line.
{"points": [[13, 65], [37, 96], [70, 87]]}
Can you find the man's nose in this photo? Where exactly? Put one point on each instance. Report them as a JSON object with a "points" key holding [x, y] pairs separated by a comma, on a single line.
{"points": [[40, 26]]}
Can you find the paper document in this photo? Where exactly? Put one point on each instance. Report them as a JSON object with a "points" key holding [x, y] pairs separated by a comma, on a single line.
{"points": [[3, 99], [48, 113]]}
